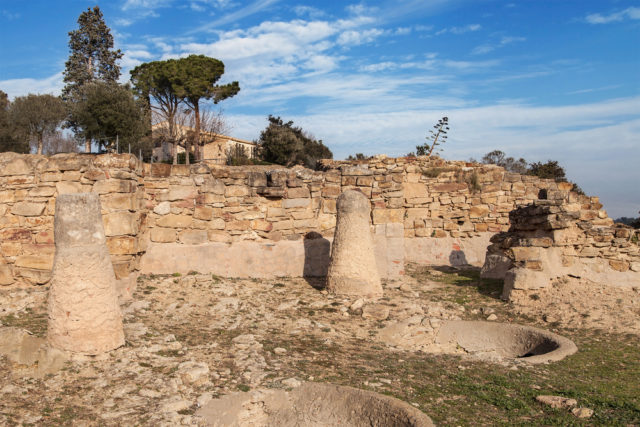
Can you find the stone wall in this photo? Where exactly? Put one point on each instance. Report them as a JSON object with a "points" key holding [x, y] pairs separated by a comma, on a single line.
{"points": [[29, 185], [258, 221], [265, 221], [563, 235]]}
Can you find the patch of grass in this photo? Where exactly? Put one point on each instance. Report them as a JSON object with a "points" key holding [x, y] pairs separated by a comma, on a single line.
{"points": [[34, 321], [243, 387], [176, 274]]}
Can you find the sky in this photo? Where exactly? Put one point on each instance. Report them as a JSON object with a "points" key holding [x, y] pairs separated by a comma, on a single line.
{"points": [[539, 79]]}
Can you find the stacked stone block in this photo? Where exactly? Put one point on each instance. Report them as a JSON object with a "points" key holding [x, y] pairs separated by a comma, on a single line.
{"points": [[565, 234], [29, 186]]}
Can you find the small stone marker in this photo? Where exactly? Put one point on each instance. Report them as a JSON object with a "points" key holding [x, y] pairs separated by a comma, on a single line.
{"points": [[84, 315], [352, 269]]}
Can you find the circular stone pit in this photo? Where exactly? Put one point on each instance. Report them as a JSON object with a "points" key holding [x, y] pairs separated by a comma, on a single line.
{"points": [[312, 405], [503, 341]]}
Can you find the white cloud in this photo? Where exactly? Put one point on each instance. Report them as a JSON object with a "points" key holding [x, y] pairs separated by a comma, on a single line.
{"points": [[21, 87], [354, 38], [628, 13]]}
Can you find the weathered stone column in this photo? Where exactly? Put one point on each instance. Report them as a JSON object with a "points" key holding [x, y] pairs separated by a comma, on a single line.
{"points": [[84, 315], [353, 270]]}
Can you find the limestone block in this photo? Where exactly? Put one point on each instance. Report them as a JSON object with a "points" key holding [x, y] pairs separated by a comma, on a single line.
{"points": [[180, 170], [415, 190], [298, 192], [175, 221], [50, 177], [28, 209], [236, 191], [216, 224], [32, 276], [522, 278], [42, 191], [163, 235], [7, 196], [218, 236], [120, 223], [295, 203], [619, 265], [69, 187], [525, 253], [193, 237], [352, 269], [238, 225], [331, 191], [17, 166], [163, 208], [203, 212], [364, 181], [114, 186], [479, 211], [84, 315], [384, 216], [261, 225], [179, 192], [417, 213], [6, 274], [94, 175], [450, 187], [122, 245], [37, 262], [119, 202]]}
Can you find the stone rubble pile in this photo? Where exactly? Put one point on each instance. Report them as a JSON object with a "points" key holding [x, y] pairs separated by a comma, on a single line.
{"points": [[564, 235]]}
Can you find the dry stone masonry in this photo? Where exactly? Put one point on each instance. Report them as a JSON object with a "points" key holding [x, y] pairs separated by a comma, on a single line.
{"points": [[84, 314], [265, 221], [565, 234], [29, 186], [352, 270]]}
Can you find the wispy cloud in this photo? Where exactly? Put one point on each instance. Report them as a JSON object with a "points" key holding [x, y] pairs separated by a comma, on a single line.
{"points": [[590, 90], [628, 13], [145, 4], [248, 10], [10, 15], [489, 47], [460, 30], [354, 38]]}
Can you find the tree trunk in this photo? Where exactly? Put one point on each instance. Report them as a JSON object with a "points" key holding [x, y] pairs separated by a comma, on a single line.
{"points": [[175, 152], [87, 145], [196, 111], [40, 144]]}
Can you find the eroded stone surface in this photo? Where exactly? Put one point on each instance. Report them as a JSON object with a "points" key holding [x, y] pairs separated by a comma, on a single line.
{"points": [[84, 315], [352, 270]]}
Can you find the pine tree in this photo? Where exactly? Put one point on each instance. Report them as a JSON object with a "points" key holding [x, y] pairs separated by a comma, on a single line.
{"points": [[92, 57], [198, 76]]}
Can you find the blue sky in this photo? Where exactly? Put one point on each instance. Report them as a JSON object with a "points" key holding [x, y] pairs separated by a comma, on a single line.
{"points": [[539, 79]]}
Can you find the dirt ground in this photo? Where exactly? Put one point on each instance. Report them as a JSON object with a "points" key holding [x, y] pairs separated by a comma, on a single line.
{"points": [[195, 337]]}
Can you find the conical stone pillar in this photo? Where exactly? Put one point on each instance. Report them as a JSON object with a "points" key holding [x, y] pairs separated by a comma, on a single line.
{"points": [[352, 269], [84, 315]]}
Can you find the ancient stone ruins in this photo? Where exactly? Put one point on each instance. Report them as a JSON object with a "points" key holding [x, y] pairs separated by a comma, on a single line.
{"points": [[92, 227]]}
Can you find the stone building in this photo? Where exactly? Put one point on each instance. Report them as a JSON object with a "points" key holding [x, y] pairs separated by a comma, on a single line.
{"points": [[214, 148]]}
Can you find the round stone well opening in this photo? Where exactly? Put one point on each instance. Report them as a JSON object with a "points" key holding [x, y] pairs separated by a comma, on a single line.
{"points": [[312, 405], [503, 340]]}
